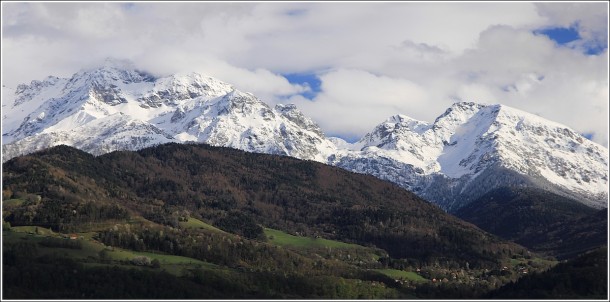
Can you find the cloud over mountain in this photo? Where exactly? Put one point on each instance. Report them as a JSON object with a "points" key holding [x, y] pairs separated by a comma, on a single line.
{"points": [[427, 54]]}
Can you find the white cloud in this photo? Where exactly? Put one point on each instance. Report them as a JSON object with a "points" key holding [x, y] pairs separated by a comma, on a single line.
{"points": [[266, 85], [59, 39], [527, 71], [352, 102], [374, 59], [590, 19]]}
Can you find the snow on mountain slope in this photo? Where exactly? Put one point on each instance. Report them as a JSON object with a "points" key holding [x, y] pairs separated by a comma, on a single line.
{"points": [[436, 148], [28, 97], [532, 145], [468, 150], [403, 139], [99, 136], [98, 110]]}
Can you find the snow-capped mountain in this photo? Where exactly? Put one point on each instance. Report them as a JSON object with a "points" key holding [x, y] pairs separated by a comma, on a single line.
{"points": [[473, 148], [467, 151], [117, 107]]}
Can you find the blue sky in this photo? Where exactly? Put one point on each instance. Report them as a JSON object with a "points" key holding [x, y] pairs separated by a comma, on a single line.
{"points": [[362, 62], [564, 36], [560, 35], [307, 79], [588, 135]]}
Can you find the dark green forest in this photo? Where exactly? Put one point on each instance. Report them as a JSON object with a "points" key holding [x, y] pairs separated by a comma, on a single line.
{"points": [[217, 185], [539, 220], [356, 236]]}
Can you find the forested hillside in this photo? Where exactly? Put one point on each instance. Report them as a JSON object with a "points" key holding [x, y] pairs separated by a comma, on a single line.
{"points": [[539, 220], [239, 191], [269, 223]]}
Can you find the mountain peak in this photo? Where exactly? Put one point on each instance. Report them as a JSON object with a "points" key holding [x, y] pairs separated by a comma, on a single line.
{"points": [[291, 112], [460, 111], [401, 121], [400, 118], [112, 73]]}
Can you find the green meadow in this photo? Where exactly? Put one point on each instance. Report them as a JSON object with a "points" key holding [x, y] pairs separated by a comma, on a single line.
{"points": [[90, 251], [283, 239], [194, 223], [399, 274]]}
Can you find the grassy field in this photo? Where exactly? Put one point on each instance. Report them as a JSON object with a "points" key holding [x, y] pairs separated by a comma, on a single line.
{"points": [[12, 203], [89, 253], [398, 274], [194, 223], [32, 230], [283, 239]]}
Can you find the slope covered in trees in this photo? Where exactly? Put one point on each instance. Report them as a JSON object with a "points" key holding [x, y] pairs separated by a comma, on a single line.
{"points": [[237, 191], [539, 220], [215, 205]]}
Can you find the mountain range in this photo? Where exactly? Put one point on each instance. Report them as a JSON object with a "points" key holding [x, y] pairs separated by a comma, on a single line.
{"points": [[468, 151]]}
